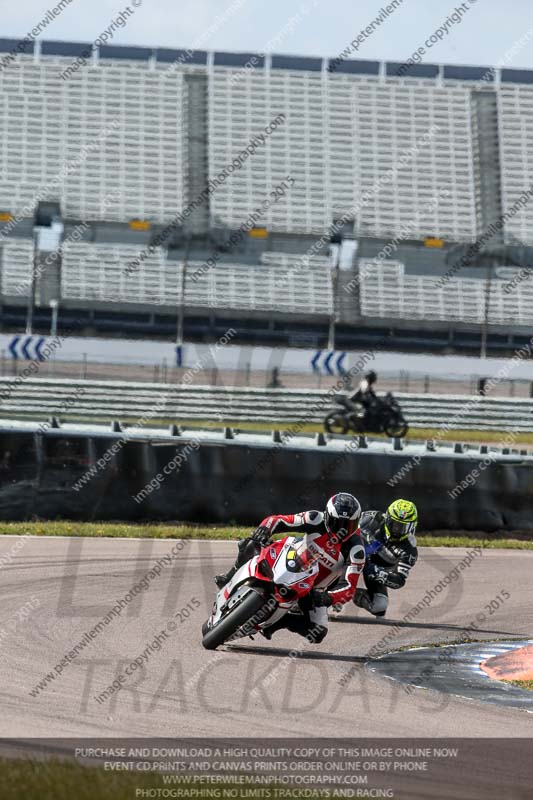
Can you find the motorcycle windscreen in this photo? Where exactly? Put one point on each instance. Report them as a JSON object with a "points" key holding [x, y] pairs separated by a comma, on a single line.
{"points": [[295, 561]]}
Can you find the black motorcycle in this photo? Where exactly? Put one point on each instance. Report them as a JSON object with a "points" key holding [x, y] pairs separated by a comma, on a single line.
{"points": [[384, 417]]}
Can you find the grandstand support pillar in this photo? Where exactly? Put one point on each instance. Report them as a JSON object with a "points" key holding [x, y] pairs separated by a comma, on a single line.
{"points": [[331, 333], [489, 187], [197, 127], [181, 300], [31, 298], [54, 305], [335, 278], [491, 264]]}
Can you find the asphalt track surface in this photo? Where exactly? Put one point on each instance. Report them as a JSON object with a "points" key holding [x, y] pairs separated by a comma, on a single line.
{"points": [[55, 590]]}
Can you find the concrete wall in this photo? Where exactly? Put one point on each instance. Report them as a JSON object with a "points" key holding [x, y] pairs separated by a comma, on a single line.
{"points": [[224, 354], [217, 480]]}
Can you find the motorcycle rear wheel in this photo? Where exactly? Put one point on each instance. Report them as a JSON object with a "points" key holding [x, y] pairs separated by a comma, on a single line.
{"points": [[231, 622]]}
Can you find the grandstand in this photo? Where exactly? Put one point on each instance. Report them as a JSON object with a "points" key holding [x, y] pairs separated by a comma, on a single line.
{"points": [[138, 134], [391, 293], [390, 119], [17, 256], [98, 272], [117, 131]]}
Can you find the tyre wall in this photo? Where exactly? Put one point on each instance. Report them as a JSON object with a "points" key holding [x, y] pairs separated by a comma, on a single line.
{"points": [[103, 477]]}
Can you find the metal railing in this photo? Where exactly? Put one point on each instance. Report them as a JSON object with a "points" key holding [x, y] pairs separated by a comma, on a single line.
{"points": [[91, 401]]}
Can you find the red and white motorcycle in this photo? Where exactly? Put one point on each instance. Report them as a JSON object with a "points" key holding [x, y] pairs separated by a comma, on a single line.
{"points": [[262, 591]]}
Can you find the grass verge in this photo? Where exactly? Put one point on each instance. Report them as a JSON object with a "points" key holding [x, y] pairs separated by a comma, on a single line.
{"points": [[475, 437], [515, 541], [459, 435], [522, 684], [465, 639], [66, 780]]}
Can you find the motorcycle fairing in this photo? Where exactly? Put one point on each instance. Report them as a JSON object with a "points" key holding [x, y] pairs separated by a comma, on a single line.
{"points": [[292, 566]]}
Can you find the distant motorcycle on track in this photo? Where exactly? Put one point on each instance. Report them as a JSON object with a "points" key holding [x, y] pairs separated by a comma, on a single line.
{"points": [[262, 591], [386, 417]]}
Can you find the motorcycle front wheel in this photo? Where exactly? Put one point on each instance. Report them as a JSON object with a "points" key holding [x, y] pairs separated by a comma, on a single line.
{"points": [[336, 422], [232, 621], [396, 428]]}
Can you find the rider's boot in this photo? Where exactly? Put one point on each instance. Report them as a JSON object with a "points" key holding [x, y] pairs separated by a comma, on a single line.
{"points": [[247, 549], [222, 580], [281, 624], [296, 623], [362, 599]]}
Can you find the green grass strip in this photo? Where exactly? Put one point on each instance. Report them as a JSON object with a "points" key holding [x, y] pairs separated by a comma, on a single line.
{"points": [[515, 541], [67, 780], [522, 684]]}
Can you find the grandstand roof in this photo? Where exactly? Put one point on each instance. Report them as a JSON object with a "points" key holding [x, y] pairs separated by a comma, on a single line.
{"points": [[276, 61]]}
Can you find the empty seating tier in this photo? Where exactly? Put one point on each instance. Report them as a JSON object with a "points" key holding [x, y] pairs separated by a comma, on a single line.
{"points": [[108, 273], [387, 291]]}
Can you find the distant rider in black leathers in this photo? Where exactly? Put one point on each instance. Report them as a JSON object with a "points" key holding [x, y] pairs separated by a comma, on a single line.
{"points": [[365, 395]]}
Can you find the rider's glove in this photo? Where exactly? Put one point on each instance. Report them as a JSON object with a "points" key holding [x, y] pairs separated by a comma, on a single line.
{"points": [[377, 574], [261, 535], [317, 598], [321, 599]]}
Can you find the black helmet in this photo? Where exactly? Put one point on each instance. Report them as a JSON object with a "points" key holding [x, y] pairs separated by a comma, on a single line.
{"points": [[371, 376], [342, 514]]}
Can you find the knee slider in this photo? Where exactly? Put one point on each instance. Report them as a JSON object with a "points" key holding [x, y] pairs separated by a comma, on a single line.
{"points": [[379, 603]]}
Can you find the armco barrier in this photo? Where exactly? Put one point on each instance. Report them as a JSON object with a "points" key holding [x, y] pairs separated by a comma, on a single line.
{"points": [[100, 400], [224, 477]]}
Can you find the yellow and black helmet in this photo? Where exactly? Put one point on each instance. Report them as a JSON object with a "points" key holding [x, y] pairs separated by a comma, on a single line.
{"points": [[400, 519]]}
